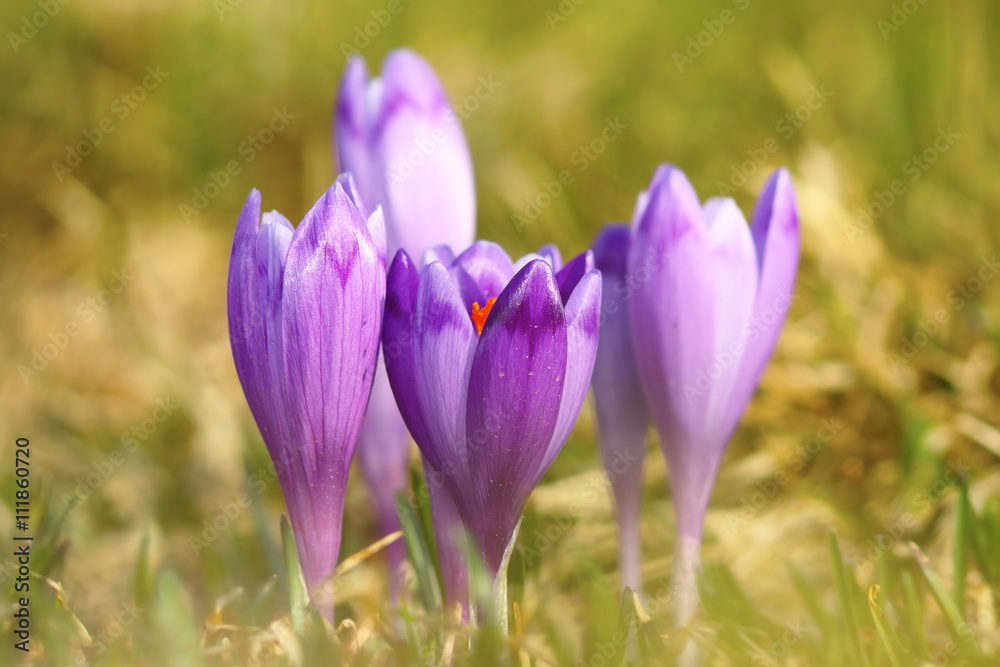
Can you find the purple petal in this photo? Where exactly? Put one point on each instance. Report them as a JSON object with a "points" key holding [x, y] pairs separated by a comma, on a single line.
{"points": [[513, 403], [444, 341], [375, 223], [409, 81], [489, 265], [735, 266], [397, 342], [353, 128], [430, 190], [662, 173], [550, 252], [439, 253], [622, 416], [776, 238], [530, 257], [570, 275], [672, 317], [467, 287], [583, 323], [332, 307], [256, 271]]}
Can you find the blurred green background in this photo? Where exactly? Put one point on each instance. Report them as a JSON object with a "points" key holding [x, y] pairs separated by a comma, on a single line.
{"points": [[115, 116]]}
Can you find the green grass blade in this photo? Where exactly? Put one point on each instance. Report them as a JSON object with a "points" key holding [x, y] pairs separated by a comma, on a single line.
{"points": [[824, 621], [913, 612], [420, 491], [298, 599], [142, 580], [890, 642], [959, 549], [180, 641], [626, 621], [419, 550], [847, 601], [960, 630], [985, 539]]}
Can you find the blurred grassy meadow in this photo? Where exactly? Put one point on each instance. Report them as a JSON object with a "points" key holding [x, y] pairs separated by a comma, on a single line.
{"points": [[133, 132]]}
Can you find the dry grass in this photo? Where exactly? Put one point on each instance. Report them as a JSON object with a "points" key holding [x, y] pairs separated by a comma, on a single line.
{"points": [[164, 336]]}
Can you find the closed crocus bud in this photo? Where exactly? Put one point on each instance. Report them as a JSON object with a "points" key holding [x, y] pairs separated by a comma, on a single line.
{"points": [[490, 371], [622, 416], [305, 314], [404, 146], [704, 325], [400, 139]]}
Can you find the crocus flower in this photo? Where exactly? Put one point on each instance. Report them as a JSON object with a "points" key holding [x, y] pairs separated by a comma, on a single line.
{"points": [[710, 296], [490, 367], [305, 315], [404, 145], [622, 416]]}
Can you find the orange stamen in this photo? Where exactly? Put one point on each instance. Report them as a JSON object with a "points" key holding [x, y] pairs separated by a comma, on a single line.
{"points": [[479, 315]]}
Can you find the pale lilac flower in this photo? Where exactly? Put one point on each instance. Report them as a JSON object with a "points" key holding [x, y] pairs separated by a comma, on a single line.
{"points": [[403, 144], [704, 326]]}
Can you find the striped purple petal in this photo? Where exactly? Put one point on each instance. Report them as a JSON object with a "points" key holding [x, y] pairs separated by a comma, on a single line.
{"points": [[513, 402]]}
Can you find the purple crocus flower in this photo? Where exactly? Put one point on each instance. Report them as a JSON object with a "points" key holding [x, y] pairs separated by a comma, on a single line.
{"points": [[710, 297], [305, 315], [490, 363], [622, 416], [400, 139]]}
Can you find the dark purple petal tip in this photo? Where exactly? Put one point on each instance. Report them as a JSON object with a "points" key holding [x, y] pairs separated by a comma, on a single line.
{"points": [[569, 276]]}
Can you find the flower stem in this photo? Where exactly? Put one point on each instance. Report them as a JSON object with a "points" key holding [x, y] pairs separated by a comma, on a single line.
{"points": [[500, 585], [629, 545], [687, 562]]}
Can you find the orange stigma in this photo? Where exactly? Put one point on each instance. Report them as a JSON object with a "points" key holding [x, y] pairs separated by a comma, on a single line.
{"points": [[479, 315]]}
